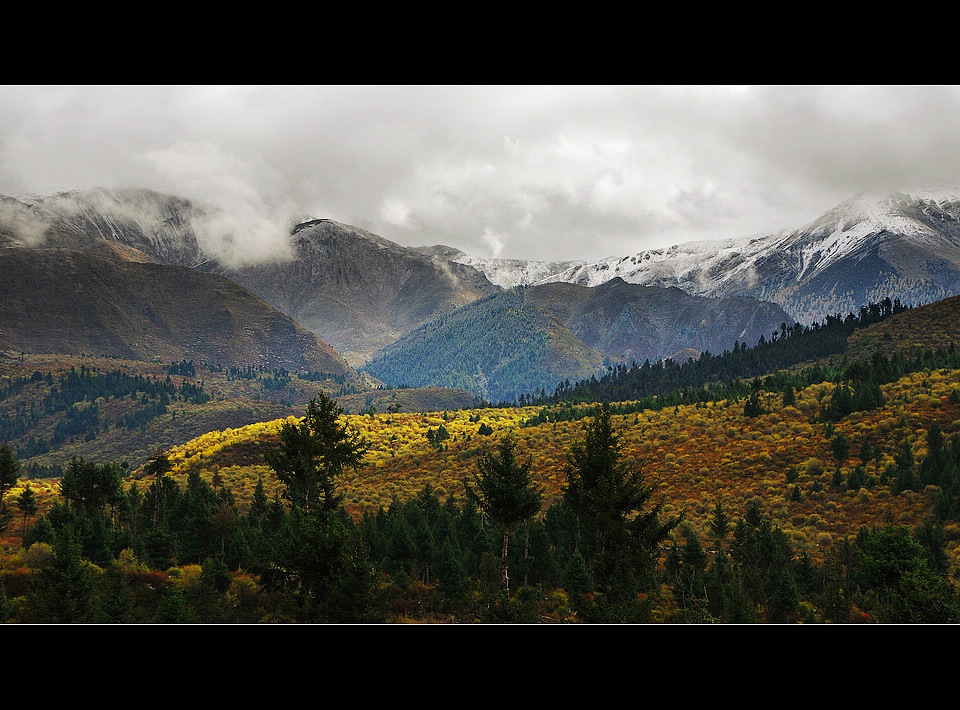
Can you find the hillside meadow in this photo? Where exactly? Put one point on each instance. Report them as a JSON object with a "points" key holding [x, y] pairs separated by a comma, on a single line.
{"points": [[695, 456]]}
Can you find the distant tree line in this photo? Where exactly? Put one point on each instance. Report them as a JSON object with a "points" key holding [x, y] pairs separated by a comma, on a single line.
{"points": [[786, 347], [76, 392]]}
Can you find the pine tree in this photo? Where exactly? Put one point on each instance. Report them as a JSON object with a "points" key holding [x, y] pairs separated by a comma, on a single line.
{"points": [[614, 505], [9, 470], [313, 453], [719, 525], [505, 494], [27, 503], [317, 554]]}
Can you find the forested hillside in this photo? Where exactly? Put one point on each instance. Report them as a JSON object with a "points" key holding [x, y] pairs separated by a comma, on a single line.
{"points": [[53, 407], [776, 500], [526, 340]]}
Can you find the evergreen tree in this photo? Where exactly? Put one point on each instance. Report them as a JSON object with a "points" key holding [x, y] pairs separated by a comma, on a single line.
{"points": [[9, 471], [505, 494], [317, 554], [719, 525], [313, 453], [27, 503], [753, 408], [64, 592], [158, 466], [840, 446], [614, 505]]}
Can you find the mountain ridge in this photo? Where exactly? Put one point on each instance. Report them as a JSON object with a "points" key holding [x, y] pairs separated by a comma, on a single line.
{"points": [[354, 289], [910, 242], [521, 340]]}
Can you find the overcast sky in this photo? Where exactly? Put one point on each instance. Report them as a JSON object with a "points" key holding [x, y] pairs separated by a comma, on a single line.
{"points": [[536, 172]]}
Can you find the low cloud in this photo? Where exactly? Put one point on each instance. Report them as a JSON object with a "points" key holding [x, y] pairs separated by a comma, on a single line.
{"points": [[238, 240], [494, 241], [24, 226], [246, 224], [549, 171]]}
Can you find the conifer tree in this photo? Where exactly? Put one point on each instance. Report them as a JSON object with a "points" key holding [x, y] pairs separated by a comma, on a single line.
{"points": [[318, 554], [313, 453], [27, 503], [505, 494], [9, 470], [614, 505]]}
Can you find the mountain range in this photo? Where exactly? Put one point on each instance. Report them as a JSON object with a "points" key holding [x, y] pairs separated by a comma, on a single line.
{"points": [[151, 278], [902, 246]]}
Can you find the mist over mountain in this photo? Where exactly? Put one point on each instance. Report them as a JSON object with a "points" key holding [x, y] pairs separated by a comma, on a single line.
{"points": [[359, 292], [355, 290], [505, 273]]}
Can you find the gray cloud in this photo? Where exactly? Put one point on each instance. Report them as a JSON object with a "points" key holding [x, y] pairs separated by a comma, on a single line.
{"points": [[530, 172]]}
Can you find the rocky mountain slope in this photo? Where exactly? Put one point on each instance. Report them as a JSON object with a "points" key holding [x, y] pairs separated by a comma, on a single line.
{"points": [[358, 291], [354, 289], [63, 301]]}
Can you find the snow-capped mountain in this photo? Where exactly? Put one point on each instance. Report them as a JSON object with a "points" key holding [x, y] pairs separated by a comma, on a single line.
{"points": [[865, 249]]}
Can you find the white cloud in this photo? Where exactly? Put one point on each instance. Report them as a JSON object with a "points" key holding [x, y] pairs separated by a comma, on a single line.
{"points": [[553, 171]]}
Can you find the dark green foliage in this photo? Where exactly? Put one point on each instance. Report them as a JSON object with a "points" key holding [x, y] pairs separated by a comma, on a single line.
{"points": [[857, 478], [317, 556], [504, 493], [753, 407], [789, 396], [437, 436], [498, 347], [906, 479], [720, 525], [713, 377], [174, 609], [27, 504], [840, 446], [64, 592], [896, 567], [622, 530], [763, 558], [313, 453], [686, 569], [9, 471], [91, 487]]}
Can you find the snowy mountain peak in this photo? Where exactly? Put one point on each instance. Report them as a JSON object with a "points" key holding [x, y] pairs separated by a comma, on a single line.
{"points": [[874, 245]]}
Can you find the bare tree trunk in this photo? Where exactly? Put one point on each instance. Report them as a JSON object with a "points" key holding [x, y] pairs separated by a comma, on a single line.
{"points": [[503, 561]]}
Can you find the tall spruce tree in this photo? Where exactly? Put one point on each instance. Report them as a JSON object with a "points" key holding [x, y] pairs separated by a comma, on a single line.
{"points": [[9, 471], [318, 555], [505, 494], [619, 519], [313, 453]]}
